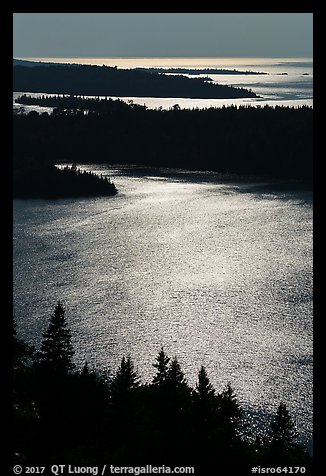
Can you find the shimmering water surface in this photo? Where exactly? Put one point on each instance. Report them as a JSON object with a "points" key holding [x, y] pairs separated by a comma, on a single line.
{"points": [[218, 273]]}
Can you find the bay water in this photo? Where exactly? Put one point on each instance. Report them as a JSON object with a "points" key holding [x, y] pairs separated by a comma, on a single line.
{"points": [[219, 272]]}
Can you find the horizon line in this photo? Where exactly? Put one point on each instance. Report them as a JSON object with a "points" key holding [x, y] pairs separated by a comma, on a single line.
{"points": [[155, 57]]}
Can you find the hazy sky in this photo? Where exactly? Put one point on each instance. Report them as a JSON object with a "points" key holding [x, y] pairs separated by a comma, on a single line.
{"points": [[162, 34]]}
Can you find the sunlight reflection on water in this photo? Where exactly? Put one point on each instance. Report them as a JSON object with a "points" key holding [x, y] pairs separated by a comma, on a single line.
{"points": [[220, 274]]}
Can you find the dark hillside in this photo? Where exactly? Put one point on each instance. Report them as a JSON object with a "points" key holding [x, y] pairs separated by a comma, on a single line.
{"points": [[271, 142], [107, 81]]}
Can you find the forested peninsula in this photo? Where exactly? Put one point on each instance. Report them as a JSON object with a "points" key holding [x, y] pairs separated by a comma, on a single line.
{"points": [[195, 71], [112, 81], [256, 141], [37, 179]]}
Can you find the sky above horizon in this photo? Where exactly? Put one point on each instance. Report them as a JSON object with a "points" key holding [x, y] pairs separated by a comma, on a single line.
{"points": [[162, 35]]}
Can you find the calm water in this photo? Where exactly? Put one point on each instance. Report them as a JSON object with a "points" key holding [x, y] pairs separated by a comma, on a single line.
{"points": [[220, 274], [293, 89]]}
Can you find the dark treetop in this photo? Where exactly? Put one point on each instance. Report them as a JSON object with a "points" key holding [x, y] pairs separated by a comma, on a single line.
{"points": [[80, 417]]}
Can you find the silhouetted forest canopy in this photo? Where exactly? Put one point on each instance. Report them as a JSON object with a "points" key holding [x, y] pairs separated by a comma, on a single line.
{"points": [[112, 81], [82, 416], [32, 64], [81, 103], [200, 71], [32, 179], [264, 141]]}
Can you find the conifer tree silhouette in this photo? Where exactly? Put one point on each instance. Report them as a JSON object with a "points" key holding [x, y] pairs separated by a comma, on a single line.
{"points": [[204, 391], [283, 434], [205, 403], [56, 351], [205, 416], [175, 375], [124, 382], [162, 366], [229, 413]]}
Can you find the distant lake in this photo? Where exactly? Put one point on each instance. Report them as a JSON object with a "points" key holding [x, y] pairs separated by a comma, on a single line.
{"points": [[219, 273], [295, 88]]}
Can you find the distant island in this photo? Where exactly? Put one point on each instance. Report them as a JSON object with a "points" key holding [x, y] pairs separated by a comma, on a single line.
{"points": [[199, 71], [45, 181], [112, 81]]}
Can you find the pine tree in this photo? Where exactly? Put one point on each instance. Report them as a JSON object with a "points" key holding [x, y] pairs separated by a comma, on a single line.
{"points": [[230, 412], [282, 429], [171, 398], [125, 381], [205, 408], [56, 349], [175, 376], [176, 390], [162, 366], [204, 391], [124, 402]]}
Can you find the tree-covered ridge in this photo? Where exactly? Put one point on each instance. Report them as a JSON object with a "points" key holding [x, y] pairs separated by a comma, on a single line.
{"points": [[81, 417], [201, 71], [112, 81], [34, 180], [32, 64], [270, 142], [78, 103]]}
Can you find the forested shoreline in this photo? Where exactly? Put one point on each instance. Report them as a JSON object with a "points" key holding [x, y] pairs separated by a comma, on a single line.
{"points": [[45, 181], [62, 414], [195, 71], [256, 141], [113, 81]]}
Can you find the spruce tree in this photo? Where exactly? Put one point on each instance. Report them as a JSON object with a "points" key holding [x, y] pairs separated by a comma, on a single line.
{"points": [[204, 409], [204, 391], [123, 399], [124, 382], [56, 351], [175, 376], [162, 366], [283, 431], [229, 412], [177, 391]]}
